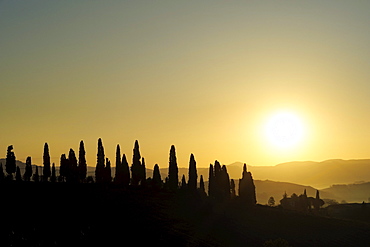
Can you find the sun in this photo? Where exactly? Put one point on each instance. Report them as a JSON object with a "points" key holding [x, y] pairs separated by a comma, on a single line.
{"points": [[284, 130]]}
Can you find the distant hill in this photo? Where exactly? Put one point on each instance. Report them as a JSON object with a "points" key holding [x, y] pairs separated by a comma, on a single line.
{"points": [[349, 192], [317, 174]]}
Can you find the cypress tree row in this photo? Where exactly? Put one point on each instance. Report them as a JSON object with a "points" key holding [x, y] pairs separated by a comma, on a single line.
{"points": [[219, 182], [173, 177], [193, 176]]}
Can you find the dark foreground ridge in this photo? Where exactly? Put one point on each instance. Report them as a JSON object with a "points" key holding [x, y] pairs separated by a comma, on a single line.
{"points": [[61, 214]]}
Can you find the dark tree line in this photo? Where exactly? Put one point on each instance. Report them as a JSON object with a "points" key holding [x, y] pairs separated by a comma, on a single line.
{"points": [[73, 170], [302, 202]]}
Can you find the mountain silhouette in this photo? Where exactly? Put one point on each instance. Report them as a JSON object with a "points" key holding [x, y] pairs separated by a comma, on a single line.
{"points": [[316, 174]]}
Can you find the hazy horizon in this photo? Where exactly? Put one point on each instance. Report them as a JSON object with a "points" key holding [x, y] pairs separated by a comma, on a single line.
{"points": [[207, 77]]}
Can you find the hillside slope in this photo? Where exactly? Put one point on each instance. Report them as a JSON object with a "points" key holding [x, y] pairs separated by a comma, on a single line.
{"points": [[87, 214]]}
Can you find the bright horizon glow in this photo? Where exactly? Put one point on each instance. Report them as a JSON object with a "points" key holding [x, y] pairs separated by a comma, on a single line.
{"points": [[284, 130]]}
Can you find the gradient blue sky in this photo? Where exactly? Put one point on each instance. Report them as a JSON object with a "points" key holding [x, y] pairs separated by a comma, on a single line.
{"points": [[203, 75]]}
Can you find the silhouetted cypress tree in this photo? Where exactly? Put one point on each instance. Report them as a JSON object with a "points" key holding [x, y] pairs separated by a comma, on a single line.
{"points": [[72, 172], [156, 181], [136, 169], [46, 172], [53, 177], [225, 183], [100, 166], [173, 177], [10, 161], [118, 177], [28, 169], [183, 182], [36, 176], [125, 171], [82, 166], [18, 176], [2, 176], [143, 172], [247, 190], [211, 181], [318, 202], [64, 167], [193, 176], [218, 183], [107, 172], [202, 189]]}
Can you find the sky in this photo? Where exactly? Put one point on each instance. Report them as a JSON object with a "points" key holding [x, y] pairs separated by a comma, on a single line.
{"points": [[205, 76]]}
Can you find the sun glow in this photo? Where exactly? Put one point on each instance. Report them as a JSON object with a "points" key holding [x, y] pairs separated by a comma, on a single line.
{"points": [[284, 130]]}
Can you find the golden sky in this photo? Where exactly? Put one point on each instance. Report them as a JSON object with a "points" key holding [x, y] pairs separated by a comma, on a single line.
{"points": [[203, 75]]}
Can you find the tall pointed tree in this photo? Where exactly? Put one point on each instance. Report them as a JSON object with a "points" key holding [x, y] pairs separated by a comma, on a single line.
{"points": [[247, 190], [28, 169], [125, 171], [211, 181], [82, 166], [100, 164], [317, 201], [225, 183], [183, 182], [193, 176], [73, 172], [107, 172], [46, 172], [136, 165], [64, 167], [143, 173], [10, 161], [118, 177], [217, 181], [173, 177], [202, 189], [156, 181], [53, 177]]}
